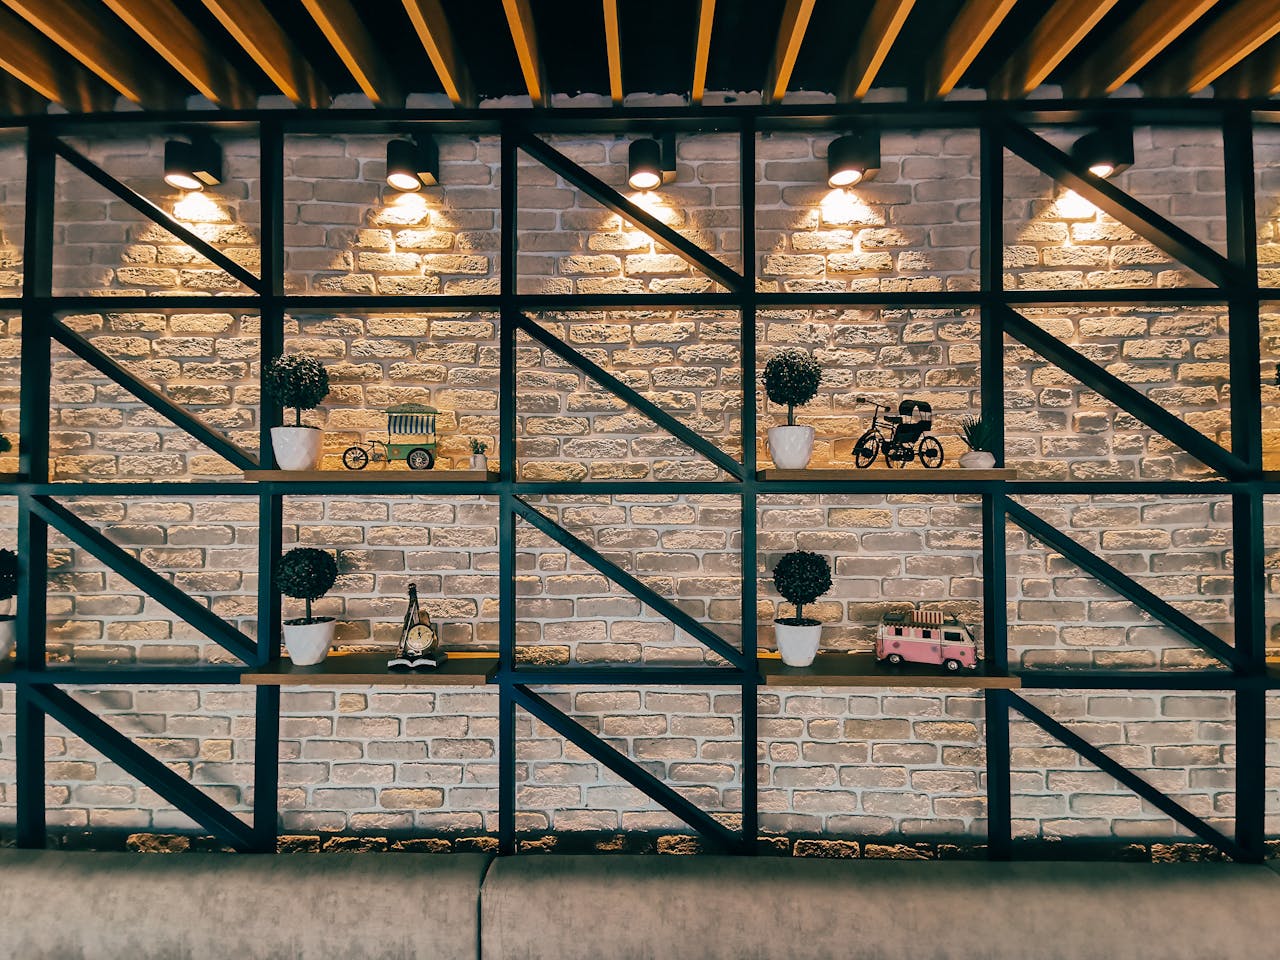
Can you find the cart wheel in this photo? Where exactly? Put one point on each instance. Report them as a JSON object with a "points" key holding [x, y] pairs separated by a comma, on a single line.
{"points": [[896, 456], [866, 450], [952, 665], [930, 452], [355, 458], [895, 659], [420, 459]]}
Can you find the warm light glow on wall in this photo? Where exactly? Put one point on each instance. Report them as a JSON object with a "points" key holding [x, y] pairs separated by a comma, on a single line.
{"points": [[842, 206], [200, 208], [653, 203]]}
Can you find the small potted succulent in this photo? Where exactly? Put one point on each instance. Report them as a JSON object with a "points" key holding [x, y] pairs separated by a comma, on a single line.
{"points": [[306, 573], [791, 379], [8, 588], [801, 577], [980, 438], [301, 383], [478, 459]]}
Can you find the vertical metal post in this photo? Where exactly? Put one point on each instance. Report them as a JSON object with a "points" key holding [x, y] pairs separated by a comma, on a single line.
{"points": [[33, 458], [507, 516], [750, 617], [994, 604], [1247, 531], [266, 766]]}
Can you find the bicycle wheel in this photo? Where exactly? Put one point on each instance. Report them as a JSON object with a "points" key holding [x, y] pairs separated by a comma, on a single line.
{"points": [[930, 452], [866, 450], [896, 456], [355, 458], [420, 459]]}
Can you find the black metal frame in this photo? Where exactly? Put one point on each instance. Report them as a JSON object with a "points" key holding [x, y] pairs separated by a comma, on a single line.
{"points": [[1001, 127]]}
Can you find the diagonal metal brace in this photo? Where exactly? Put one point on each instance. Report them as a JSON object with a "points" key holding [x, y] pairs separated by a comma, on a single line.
{"points": [[602, 193], [145, 579], [1123, 396], [1121, 583], [1146, 791], [157, 401], [141, 765], [633, 585], [615, 386], [626, 768], [157, 215], [1110, 199]]}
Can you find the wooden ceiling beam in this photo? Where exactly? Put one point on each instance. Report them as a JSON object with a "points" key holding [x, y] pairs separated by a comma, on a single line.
{"points": [[795, 21], [19, 100], [1059, 32], [1240, 31], [881, 30], [106, 47], [525, 37], [186, 50], [1257, 75], [265, 41], [355, 46], [31, 57], [702, 50], [965, 38], [613, 49], [1151, 28], [436, 37]]}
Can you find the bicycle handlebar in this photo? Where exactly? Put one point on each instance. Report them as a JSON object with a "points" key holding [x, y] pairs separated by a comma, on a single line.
{"points": [[870, 401]]}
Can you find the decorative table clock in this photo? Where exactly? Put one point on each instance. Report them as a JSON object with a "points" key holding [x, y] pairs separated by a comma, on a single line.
{"points": [[419, 640]]}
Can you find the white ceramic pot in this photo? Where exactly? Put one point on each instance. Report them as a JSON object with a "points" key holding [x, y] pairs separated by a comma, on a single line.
{"points": [[8, 636], [308, 643], [296, 448], [797, 644], [790, 447], [479, 461], [978, 460]]}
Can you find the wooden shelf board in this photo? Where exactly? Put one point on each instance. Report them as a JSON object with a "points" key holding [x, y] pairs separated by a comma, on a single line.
{"points": [[883, 473], [464, 669], [863, 670], [374, 476]]}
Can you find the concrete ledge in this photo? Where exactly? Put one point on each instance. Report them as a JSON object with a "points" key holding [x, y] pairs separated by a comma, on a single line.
{"points": [[109, 906], [591, 907]]}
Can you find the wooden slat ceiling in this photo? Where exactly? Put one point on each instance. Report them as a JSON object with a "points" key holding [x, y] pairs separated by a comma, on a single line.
{"points": [[84, 54]]}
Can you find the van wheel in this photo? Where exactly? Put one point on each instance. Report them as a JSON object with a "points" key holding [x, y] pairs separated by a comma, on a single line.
{"points": [[420, 459], [953, 666], [894, 659]]}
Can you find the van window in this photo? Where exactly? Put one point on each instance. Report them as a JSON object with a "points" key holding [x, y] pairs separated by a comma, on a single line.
{"points": [[952, 637], [897, 631]]}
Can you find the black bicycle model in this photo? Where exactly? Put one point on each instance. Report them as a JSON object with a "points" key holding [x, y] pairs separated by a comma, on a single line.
{"points": [[902, 437]]}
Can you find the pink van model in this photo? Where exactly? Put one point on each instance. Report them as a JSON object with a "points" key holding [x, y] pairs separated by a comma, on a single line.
{"points": [[924, 636]]}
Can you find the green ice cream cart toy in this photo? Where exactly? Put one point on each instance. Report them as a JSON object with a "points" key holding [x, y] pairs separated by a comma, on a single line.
{"points": [[411, 437]]}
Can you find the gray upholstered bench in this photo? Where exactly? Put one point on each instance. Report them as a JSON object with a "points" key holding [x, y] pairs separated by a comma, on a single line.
{"points": [[708, 908], [124, 906]]}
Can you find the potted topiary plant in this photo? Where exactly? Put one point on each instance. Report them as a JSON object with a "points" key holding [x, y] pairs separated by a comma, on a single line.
{"points": [[307, 574], [301, 383], [801, 577], [980, 439], [478, 460], [791, 378], [8, 588]]}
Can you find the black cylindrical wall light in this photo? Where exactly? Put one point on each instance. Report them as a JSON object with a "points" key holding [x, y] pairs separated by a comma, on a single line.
{"points": [[192, 165], [644, 164], [1105, 151], [413, 164], [853, 159]]}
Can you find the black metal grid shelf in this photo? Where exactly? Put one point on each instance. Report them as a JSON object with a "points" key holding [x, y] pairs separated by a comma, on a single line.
{"points": [[38, 686]]}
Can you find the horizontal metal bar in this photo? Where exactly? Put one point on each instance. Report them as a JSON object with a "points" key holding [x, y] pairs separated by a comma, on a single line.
{"points": [[157, 215], [1086, 679], [1110, 295], [602, 193], [633, 585], [1121, 583], [1122, 395], [145, 579], [152, 397], [1137, 216], [644, 405], [663, 675], [83, 673], [627, 768], [141, 765], [1128, 778]]}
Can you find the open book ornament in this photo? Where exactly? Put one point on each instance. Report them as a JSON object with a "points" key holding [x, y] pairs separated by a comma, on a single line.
{"points": [[419, 640]]}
